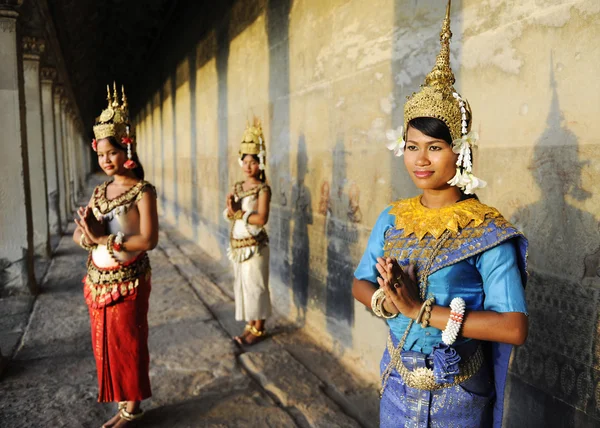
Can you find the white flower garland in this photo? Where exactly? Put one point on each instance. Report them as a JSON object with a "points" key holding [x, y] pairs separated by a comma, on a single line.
{"points": [[463, 147]]}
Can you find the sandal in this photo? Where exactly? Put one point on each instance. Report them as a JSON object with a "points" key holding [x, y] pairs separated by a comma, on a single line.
{"points": [[240, 339], [131, 416], [258, 335]]}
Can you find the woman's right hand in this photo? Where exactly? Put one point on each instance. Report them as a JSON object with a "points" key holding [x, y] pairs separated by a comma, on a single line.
{"points": [[229, 201]]}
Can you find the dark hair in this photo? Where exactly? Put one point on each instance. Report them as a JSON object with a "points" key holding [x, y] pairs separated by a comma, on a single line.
{"points": [[431, 126], [139, 169], [262, 176]]}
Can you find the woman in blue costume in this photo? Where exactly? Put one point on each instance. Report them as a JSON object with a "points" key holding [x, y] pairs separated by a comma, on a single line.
{"points": [[446, 271]]}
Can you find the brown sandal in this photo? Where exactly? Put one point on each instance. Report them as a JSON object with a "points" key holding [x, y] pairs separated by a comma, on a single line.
{"points": [[259, 335]]}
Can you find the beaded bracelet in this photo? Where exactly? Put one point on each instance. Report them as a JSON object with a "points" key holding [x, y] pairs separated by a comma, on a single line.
{"points": [[118, 243], [110, 247], [427, 303], [457, 313], [427, 314]]}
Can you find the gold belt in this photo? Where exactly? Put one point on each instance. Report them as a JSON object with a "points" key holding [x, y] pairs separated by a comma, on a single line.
{"points": [[250, 241], [117, 275], [422, 378]]}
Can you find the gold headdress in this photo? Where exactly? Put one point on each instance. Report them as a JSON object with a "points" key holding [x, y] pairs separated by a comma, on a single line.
{"points": [[253, 143], [114, 122], [438, 99]]}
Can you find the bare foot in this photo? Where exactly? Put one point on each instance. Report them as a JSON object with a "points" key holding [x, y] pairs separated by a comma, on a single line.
{"points": [[241, 339], [112, 421], [252, 336]]}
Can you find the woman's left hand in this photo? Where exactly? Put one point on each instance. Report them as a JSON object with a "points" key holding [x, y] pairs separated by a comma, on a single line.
{"points": [[90, 236], [400, 287]]}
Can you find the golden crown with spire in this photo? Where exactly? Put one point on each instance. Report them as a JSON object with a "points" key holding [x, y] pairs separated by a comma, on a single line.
{"points": [[437, 97], [253, 143], [253, 140], [114, 119]]}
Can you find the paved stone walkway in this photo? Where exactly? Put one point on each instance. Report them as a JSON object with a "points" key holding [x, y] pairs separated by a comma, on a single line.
{"points": [[200, 378]]}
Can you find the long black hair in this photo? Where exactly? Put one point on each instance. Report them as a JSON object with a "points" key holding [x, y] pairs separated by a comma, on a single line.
{"points": [[261, 176], [138, 171], [435, 128]]}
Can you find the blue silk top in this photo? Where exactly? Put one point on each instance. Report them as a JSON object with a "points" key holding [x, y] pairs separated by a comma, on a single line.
{"points": [[483, 262]]}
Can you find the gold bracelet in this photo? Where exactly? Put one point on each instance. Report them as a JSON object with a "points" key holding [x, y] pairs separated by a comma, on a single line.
{"points": [[83, 244], [110, 242], [422, 310], [238, 215], [427, 314], [379, 293], [384, 313]]}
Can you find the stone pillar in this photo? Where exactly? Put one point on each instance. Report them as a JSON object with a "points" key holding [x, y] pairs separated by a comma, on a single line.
{"points": [[32, 49], [72, 160], [54, 218], [60, 163], [16, 234], [66, 156]]}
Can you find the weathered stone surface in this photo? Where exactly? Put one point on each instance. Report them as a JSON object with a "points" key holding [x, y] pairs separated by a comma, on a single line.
{"points": [[294, 386], [358, 399], [14, 314], [248, 408]]}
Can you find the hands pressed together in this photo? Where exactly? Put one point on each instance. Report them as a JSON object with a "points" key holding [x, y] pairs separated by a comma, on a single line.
{"points": [[400, 287], [232, 205], [85, 225]]}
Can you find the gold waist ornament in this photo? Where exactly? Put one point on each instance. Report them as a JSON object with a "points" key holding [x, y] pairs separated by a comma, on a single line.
{"points": [[251, 241], [422, 378]]}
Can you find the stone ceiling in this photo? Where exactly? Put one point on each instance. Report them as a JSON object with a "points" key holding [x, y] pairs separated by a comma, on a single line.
{"points": [[99, 41]]}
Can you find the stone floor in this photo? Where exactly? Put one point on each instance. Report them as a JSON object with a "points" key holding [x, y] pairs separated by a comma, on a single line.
{"points": [[200, 378]]}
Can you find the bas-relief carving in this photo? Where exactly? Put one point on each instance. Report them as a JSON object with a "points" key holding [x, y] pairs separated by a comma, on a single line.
{"points": [[562, 353]]}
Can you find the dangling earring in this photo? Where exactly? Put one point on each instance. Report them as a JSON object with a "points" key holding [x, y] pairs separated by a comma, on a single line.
{"points": [[130, 164]]}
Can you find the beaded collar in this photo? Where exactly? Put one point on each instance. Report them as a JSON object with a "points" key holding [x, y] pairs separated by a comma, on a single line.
{"points": [[240, 193], [413, 217], [105, 205]]}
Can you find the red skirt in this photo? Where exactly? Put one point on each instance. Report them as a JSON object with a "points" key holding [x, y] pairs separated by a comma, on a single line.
{"points": [[120, 344]]}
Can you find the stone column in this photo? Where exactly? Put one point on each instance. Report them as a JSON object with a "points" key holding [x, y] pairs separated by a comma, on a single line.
{"points": [[60, 163], [66, 156], [32, 49], [16, 234], [54, 219]]}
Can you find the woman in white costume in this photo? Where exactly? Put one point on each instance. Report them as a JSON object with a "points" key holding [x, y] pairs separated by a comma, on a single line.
{"points": [[248, 211]]}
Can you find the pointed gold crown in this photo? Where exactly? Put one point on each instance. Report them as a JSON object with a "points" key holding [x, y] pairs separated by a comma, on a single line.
{"points": [[253, 141], [114, 119], [437, 97]]}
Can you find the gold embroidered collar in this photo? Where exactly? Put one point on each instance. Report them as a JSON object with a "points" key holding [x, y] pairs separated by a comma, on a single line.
{"points": [[413, 217], [105, 205], [241, 193]]}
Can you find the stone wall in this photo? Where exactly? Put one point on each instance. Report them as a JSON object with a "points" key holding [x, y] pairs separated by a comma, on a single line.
{"points": [[327, 79]]}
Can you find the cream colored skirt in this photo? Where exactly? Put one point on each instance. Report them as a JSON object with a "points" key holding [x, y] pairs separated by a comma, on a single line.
{"points": [[251, 287]]}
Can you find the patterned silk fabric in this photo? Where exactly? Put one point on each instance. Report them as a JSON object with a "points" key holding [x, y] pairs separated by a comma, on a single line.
{"points": [[469, 404]]}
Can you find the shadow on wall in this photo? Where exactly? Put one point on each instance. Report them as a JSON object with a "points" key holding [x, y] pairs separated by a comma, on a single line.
{"points": [[277, 28], [223, 117], [342, 235], [302, 216], [561, 355]]}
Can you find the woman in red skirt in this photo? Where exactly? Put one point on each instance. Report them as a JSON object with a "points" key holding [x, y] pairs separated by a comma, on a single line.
{"points": [[118, 227]]}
